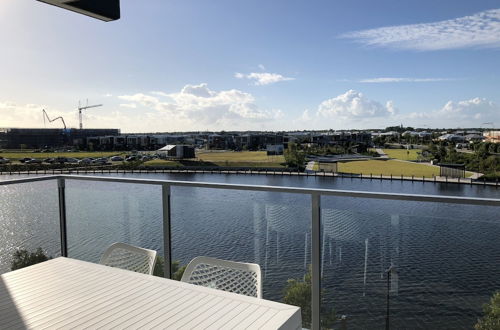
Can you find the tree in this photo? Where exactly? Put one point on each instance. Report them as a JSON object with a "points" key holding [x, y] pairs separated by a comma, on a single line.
{"points": [[23, 258], [298, 293], [294, 157], [177, 271], [491, 317]]}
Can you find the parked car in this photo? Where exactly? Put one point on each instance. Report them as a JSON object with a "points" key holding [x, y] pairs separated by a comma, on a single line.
{"points": [[49, 160], [33, 161], [4, 160], [131, 158], [100, 161], [85, 161], [72, 160], [22, 160], [116, 159], [60, 160]]}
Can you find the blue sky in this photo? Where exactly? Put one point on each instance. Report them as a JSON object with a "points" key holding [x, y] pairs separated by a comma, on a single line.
{"points": [[274, 65]]}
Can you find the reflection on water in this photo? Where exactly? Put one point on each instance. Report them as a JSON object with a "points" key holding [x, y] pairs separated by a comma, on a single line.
{"points": [[446, 256]]}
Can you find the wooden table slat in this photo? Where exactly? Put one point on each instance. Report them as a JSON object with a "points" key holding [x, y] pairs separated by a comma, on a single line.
{"points": [[66, 293]]}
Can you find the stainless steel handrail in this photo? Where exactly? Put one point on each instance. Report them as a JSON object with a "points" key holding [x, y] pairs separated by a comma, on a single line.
{"points": [[315, 194], [294, 190]]}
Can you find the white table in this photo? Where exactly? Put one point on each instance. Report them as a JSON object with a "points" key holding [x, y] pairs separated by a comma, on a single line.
{"points": [[66, 293]]}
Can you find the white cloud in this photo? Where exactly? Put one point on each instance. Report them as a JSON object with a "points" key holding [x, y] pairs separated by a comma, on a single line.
{"points": [[262, 67], [354, 105], [473, 109], [478, 30], [128, 105], [467, 113], [398, 80], [197, 107], [194, 107], [14, 114], [346, 111], [263, 78]]}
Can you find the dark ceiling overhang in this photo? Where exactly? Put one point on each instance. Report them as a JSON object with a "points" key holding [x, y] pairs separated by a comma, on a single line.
{"points": [[105, 10]]}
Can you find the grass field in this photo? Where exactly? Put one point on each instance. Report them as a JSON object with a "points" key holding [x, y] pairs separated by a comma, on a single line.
{"points": [[228, 159], [388, 167], [402, 154], [239, 156], [249, 164], [42, 155], [162, 162]]}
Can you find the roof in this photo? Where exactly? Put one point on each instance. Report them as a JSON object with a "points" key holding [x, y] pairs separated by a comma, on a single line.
{"points": [[168, 147]]}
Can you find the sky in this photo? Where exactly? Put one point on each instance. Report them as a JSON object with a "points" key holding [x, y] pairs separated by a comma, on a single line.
{"points": [[193, 65]]}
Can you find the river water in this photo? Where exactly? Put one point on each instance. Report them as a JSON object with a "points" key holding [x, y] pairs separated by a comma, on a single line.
{"points": [[446, 256]]}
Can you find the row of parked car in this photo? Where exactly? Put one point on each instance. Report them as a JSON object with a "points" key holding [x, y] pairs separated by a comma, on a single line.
{"points": [[83, 161]]}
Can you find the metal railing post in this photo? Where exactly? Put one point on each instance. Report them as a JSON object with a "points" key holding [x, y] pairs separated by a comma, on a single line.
{"points": [[316, 261], [61, 187], [167, 233]]}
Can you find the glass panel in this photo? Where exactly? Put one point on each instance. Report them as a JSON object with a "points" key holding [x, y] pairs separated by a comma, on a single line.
{"points": [[270, 229], [436, 261], [29, 219], [102, 213]]}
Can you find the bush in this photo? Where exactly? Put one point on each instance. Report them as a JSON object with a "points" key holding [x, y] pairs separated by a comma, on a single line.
{"points": [[23, 258], [491, 318], [298, 293], [177, 271]]}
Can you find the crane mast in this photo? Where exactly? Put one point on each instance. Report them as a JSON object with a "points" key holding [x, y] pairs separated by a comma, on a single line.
{"points": [[80, 108]]}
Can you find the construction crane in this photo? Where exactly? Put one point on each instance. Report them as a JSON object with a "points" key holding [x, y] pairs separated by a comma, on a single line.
{"points": [[45, 115], [80, 108]]}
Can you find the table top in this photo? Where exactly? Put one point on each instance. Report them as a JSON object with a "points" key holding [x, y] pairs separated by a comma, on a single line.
{"points": [[67, 293]]}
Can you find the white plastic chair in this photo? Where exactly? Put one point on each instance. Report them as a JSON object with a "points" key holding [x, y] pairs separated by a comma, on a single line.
{"points": [[129, 257], [237, 277]]}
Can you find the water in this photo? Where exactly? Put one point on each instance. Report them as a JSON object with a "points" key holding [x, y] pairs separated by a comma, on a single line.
{"points": [[447, 256]]}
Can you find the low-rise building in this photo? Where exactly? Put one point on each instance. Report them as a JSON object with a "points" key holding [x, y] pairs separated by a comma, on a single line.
{"points": [[275, 149], [492, 136], [177, 151], [452, 138]]}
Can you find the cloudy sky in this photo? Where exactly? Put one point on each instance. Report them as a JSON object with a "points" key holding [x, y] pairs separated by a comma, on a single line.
{"points": [[182, 65]]}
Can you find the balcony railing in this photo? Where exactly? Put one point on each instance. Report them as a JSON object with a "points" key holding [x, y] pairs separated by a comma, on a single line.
{"points": [[354, 227]]}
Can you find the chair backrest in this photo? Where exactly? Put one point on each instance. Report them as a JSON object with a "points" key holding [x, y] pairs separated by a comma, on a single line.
{"points": [[129, 257], [237, 277]]}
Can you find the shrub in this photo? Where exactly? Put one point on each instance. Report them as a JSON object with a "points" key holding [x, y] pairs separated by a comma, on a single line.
{"points": [[177, 271], [23, 258], [491, 318], [298, 293]]}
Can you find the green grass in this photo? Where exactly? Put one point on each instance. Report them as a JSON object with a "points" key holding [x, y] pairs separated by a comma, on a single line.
{"points": [[43, 155], [239, 156], [402, 154], [161, 162], [388, 167], [250, 164]]}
